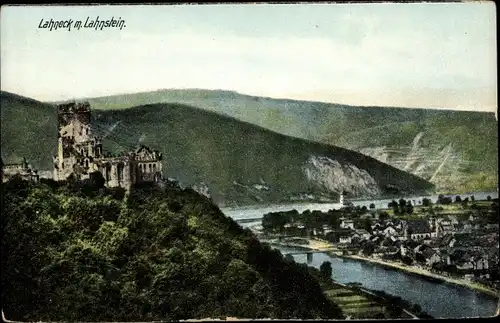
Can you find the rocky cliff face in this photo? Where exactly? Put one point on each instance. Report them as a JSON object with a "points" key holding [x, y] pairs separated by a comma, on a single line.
{"points": [[332, 176]]}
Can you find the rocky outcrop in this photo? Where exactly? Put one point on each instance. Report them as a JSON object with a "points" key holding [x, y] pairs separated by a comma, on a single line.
{"points": [[332, 176], [202, 189]]}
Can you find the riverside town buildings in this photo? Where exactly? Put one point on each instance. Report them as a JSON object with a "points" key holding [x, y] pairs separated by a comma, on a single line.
{"points": [[80, 153]]}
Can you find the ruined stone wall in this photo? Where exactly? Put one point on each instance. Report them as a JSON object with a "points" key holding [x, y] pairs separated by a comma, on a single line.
{"points": [[26, 173]]}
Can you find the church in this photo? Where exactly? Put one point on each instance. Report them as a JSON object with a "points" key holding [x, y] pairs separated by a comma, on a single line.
{"points": [[81, 153]]}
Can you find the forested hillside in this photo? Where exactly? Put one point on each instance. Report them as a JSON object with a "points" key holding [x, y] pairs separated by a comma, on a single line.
{"points": [[80, 252]]}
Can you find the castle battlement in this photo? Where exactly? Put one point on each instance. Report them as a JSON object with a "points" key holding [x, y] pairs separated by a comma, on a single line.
{"points": [[73, 107]]}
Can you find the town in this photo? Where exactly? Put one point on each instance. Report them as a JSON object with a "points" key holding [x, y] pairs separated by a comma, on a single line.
{"points": [[451, 238]]}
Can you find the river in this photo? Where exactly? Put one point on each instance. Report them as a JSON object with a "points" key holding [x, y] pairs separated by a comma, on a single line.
{"points": [[441, 300], [255, 212]]}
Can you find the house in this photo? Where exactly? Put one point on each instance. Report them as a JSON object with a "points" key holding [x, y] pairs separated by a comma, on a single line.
{"points": [[446, 241], [363, 234], [418, 249], [403, 249], [462, 260], [445, 256], [389, 241], [326, 228], [390, 231], [465, 265], [376, 226], [345, 237], [375, 239], [347, 224], [419, 229], [481, 262], [467, 227], [431, 256], [445, 227]]}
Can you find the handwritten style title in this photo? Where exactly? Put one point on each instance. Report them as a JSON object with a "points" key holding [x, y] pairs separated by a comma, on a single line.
{"points": [[93, 23]]}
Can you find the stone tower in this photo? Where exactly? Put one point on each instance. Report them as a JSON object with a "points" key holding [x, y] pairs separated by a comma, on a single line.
{"points": [[77, 148]]}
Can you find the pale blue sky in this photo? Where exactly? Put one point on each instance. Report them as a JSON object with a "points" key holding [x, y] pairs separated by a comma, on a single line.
{"points": [[420, 55]]}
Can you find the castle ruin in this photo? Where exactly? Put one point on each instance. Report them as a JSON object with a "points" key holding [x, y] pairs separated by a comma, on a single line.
{"points": [[22, 169], [80, 153]]}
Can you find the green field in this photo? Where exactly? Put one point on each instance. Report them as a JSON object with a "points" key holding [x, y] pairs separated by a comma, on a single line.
{"points": [[354, 303]]}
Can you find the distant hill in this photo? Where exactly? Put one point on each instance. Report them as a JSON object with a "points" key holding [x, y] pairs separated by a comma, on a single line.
{"points": [[239, 162], [456, 150]]}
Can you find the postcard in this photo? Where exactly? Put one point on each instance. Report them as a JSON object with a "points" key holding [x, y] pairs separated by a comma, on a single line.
{"points": [[249, 161]]}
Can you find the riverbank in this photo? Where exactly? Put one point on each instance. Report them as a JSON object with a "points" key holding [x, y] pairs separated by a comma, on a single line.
{"points": [[329, 248], [423, 272]]}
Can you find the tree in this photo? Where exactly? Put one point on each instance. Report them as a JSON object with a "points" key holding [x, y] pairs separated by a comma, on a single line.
{"points": [[368, 249], [326, 269], [472, 198], [363, 223], [409, 208], [289, 258], [95, 258], [372, 206], [407, 260], [458, 199], [444, 199], [426, 202], [383, 216], [402, 204], [395, 207], [488, 198]]}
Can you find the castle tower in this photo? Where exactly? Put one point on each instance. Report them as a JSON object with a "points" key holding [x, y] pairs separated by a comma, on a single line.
{"points": [[76, 146]]}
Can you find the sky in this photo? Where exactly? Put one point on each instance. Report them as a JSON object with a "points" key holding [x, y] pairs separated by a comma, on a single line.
{"points": [[408, 55]]}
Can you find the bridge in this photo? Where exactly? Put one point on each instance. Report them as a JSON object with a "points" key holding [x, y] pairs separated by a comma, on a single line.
{"points": [[309, 251], [248, 220]]}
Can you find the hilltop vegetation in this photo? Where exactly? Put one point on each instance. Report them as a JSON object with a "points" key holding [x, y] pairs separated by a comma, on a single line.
{"points": [[82, 252], [240, 162], [456, 150]]}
